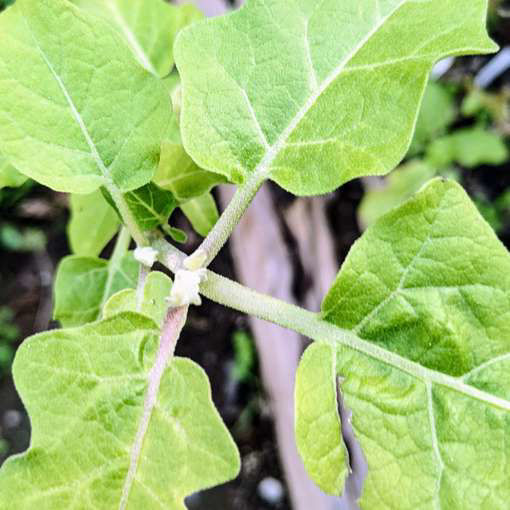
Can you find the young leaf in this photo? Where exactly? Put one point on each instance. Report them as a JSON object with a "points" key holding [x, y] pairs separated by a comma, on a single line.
{"points": [[77, 110], [84, 284], [470, 147], [398, 187], [154, 305], [9, 176], [92, 225], [149, 27], [14, 238], [86, 390], [178, 173], [313, 94], [151, 207], [423, 376], [437, 113], [202, 213]]}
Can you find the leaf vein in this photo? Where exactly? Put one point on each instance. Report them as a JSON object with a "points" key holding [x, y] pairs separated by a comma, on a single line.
{"points": [[435, 444], [263, 167]]}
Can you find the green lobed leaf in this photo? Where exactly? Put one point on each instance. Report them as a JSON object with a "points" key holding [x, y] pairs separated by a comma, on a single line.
{"points": [[148, 26], [84, 284], [154, 304], [92, 225], [434, 250], [426, 291], [77, 109], [313, 94], [85, 390], [178, 173], [469, 147], [202, 213], [9, 176]]}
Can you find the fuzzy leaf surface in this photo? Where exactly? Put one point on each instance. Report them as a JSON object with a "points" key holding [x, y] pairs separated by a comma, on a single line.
{"points": [[92, 225], [84, 284], [426, 292], [313, 94], [85, 390], [154, 305], [148, 26], [77, 110]]}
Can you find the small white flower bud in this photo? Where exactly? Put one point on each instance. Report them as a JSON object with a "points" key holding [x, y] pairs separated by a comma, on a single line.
{"points": [[186, 287], [146, 255]]}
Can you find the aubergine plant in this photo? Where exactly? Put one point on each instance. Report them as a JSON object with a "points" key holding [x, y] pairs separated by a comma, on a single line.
{"points": [[415, 331]]}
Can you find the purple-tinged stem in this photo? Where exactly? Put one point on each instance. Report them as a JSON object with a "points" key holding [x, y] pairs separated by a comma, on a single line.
{"points": [[170, 331]]}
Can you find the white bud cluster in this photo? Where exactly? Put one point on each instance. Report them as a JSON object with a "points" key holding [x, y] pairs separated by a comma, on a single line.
{"points": [[186, 287], [146, 255]]}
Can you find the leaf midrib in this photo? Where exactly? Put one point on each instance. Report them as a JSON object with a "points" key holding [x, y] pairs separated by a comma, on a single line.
{"points": [[131, 38], [75, 113], [435, 443], [263, 168], [170, 332], [319, 329]]}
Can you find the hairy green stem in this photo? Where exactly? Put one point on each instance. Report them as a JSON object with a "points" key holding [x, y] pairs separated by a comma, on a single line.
{"points": [[220, 233], [312, 325]]}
